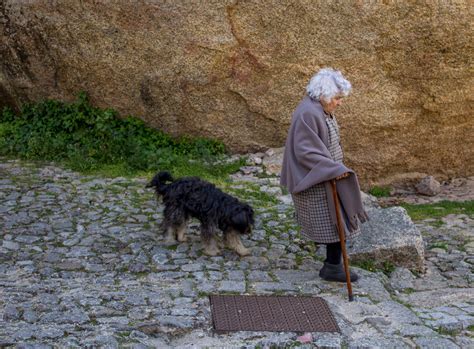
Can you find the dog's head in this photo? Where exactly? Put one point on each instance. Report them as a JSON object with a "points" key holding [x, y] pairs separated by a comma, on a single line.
{"points": [[242, 220], [160, 181]]}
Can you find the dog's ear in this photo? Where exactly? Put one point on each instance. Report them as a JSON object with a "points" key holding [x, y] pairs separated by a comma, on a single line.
{"points": [[250, 214], [248, 210], [243, 219], [159, 182]]}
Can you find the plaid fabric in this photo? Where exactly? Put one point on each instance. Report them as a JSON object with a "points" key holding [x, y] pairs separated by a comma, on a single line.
{"points": [[334, 146], [312, 211], [312, 214]]}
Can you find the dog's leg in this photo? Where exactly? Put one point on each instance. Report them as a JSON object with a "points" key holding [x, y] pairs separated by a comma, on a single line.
{"points": [[174, 223], [210, 247], [208, 240], [170, 235], [167, 224], [232, 241], [168, 230], [181, 232]]}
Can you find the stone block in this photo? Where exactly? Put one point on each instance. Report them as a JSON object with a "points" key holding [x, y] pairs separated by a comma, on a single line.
{"points": [[428, 186], [389, 237]]}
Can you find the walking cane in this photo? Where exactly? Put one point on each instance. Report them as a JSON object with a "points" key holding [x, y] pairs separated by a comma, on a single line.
{"points": [[342, 238]]}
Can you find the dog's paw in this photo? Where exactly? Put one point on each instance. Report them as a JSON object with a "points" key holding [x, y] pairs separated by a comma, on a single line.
{"points": [[211, 252], [233, 242], [182, 238], [210, 248], [170, 239], [242, 251], [181, 235]]}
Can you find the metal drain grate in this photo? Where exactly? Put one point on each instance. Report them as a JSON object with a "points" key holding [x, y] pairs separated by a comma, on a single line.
{"points": [[271, 313]]}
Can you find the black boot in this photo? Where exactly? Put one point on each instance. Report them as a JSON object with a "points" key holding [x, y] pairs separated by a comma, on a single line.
{"points": [[335, 272]]}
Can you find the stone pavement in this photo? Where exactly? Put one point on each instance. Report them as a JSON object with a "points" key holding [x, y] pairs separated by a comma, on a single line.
{"points": [[82, 265]]}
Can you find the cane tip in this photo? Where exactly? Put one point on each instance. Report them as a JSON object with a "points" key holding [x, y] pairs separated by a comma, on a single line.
{"points": [[351, 298]]}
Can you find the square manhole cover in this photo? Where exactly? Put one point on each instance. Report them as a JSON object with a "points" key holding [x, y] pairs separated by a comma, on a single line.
{"points": [[271, 313]]}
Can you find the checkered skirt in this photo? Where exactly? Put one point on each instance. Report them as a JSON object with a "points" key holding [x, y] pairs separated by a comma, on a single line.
{"points": [[311, 205]]}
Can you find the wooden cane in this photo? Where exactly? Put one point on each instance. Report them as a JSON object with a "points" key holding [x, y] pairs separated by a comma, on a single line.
{"points": [[342, 238]]}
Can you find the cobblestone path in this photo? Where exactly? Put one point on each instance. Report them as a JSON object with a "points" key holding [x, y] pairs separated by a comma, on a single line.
{"points": [[82, 264]]}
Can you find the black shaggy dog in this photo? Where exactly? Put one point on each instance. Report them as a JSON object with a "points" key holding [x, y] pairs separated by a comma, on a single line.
{"points": [[192, 197]]}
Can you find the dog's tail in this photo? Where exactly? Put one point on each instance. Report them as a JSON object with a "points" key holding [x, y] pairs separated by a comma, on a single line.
{"points": [[159, 182]]}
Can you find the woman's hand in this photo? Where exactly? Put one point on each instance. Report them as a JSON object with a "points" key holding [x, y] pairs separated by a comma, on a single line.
{"points": [[344, 175]]}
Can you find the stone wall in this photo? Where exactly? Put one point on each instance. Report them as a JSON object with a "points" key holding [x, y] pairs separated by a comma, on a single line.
{"points": [[235, 70]]}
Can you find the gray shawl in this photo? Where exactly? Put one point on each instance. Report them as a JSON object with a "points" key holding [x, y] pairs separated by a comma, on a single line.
{"points": [[307, 162]]}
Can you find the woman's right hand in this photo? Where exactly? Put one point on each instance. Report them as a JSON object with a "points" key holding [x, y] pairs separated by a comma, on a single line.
{"points": [[344, 175]]}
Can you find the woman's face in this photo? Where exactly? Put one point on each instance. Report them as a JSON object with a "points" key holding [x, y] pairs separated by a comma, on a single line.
{"points": [[332, 104]]}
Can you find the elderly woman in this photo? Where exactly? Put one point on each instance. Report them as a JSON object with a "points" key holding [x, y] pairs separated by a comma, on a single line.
{"points": [[313, 158]]}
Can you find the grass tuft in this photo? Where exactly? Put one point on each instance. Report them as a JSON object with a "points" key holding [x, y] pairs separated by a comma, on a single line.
{"points": [[386, 267], [379, 192], [439, 209], [441, 245]]}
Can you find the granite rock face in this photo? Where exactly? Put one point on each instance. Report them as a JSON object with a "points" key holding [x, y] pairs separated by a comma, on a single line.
{"points": [[236, 70]]}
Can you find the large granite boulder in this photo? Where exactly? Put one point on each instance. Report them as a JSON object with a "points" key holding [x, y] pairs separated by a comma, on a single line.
{"points": [[235, 70], [389, 236]]}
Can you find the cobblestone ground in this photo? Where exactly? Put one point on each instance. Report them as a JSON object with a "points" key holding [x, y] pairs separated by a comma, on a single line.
{"points": [[82, 264]]}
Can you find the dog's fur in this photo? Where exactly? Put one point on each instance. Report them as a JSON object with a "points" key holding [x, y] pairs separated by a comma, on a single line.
{"points": [[192, 197]]}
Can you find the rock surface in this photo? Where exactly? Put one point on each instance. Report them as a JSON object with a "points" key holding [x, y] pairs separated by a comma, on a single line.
{"points": [[428, 186], [389, 236], [455, 189], [272, 161], [235, 70]]}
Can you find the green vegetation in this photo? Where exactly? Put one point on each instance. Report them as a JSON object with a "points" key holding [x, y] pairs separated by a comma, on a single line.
{"points": [[408, 290], [387, 267], [251, 192], [94, 140], [273, 276], [298, 259], [366, 264], [442, 245], [202, 294], [439, 209], [380, 191], [448, 332]]}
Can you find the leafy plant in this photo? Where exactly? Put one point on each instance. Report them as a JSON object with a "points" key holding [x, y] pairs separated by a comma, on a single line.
{"points": [[91, 139]]}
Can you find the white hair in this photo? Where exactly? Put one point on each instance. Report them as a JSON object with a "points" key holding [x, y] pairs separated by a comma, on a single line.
{"points": [[327, 84]]}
